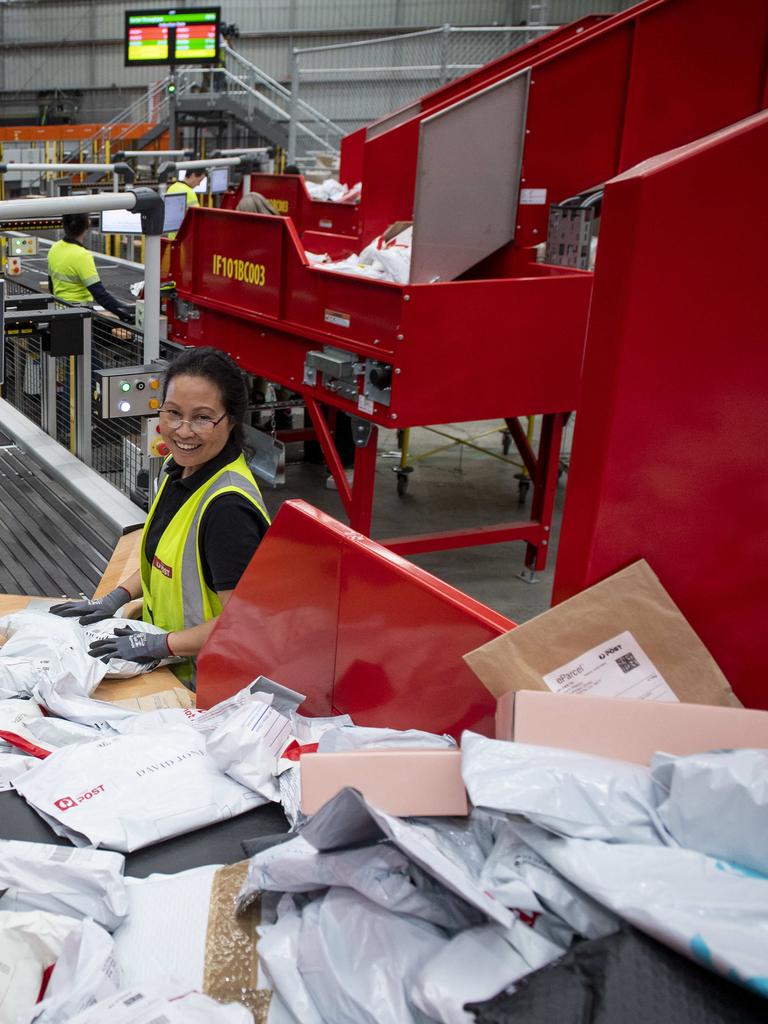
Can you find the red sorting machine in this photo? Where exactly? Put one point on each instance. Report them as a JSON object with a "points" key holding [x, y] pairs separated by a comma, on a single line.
{"points": [[672, 467], [481, 331]]}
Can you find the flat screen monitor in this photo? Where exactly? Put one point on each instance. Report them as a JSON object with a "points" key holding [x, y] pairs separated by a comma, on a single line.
{"points": [[123, 222], [219, 180], [196, 30]]}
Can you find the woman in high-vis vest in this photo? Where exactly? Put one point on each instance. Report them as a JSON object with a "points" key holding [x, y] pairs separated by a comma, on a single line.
{"points": [[203, 527]]}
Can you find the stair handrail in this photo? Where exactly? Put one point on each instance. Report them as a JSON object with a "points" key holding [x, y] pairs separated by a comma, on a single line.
{"points": [[278, 87]]}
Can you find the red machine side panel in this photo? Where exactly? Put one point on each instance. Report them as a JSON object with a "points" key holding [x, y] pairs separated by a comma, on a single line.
{"points": [[281, 620], [669, 456], [402, 634], [328, 612], [690, 48]]}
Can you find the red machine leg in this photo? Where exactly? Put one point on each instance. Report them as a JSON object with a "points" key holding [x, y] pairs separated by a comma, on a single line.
{"points": [[545, 487], [361, 510], [325, 438]]}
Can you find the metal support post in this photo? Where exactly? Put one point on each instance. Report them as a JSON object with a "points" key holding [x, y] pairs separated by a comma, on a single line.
{"points": [[151, 297], [246, 184], [293, 108], [446, 33], [83, 399], [48, 382]]}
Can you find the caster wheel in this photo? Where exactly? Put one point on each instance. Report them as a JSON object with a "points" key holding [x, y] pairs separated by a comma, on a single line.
{"points": [[402, 484], [522, 491], [506, 441], [400, 439]]}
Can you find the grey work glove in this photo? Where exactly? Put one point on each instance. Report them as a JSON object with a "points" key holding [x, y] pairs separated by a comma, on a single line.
{"points": [[132, 645], [94, 610]]}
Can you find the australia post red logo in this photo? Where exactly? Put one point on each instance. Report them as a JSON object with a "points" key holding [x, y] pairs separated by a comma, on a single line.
{"points": [[65, 802], [166, 570]]}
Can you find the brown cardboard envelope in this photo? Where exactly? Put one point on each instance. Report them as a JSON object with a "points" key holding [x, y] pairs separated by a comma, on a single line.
{"points": [[632, 599]]}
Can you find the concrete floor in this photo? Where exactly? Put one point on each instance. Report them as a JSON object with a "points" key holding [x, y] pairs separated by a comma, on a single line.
{"points": [[451, 489]]}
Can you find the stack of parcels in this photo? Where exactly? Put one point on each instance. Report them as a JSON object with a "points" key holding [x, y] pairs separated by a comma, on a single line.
{"points": [[331, 190], [507, 879]]}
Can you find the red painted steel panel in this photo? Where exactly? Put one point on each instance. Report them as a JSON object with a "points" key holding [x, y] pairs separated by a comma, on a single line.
{"points": [[669, 451], [351, 164], [281, 620], [325, 610], [490, 348], [288, 195], [401, 640], [690, 48]]}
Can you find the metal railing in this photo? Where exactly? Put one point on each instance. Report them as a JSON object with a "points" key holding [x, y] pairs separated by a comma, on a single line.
{"points": [[356, 83], [44, 389]]}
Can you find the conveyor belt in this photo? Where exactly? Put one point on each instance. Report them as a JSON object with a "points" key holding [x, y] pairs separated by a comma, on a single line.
{"points": [[116, 278], [50, 543]]}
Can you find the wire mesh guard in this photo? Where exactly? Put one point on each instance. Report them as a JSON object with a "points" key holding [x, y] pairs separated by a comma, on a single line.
{"points": [[356, 83], [116, 450]]}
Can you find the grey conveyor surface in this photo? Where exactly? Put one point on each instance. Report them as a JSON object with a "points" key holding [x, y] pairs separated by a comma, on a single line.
{"points": [[115, 277], [50, 543]]}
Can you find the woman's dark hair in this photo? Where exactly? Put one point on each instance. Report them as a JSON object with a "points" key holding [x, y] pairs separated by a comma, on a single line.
{"points": [[75, 224], [215, 366]]}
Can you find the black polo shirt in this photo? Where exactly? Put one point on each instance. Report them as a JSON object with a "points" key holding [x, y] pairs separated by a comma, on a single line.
{"points": [[231, 528]]}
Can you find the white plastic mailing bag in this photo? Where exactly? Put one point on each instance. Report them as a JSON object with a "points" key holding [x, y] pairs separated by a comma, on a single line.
{"points": [[520, 878], [359, 962], [717, 803], [348, 819], [85, 973], [569, 793], [43, 648], [13, 765], [278, 955], [62, 880], [162, 941], [246, 745], [76, 708], [356, 737], [132, 1006], [30, 943], [476, 965], [127, 792], [708, 909]]}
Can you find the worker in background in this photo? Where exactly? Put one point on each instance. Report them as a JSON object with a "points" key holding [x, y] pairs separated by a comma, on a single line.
{"points": [[255, 202], [291, 169], [186, 188], [72, 273], [203, 527]]}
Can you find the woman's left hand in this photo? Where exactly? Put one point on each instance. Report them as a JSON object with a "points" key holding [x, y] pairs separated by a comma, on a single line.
{"points": [[131, 645]]}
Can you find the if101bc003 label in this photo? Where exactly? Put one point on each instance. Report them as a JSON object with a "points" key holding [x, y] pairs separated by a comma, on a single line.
{"points": [[239, 270]]}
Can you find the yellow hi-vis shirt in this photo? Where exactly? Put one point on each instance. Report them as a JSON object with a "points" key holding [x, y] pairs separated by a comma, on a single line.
{"points": [[191, 195], [72, 270], [176, 594]]}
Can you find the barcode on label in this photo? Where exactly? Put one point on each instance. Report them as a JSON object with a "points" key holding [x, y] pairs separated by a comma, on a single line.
{"points": [[130, 1000], [627, 662], [162, 1019], [61, 854]]}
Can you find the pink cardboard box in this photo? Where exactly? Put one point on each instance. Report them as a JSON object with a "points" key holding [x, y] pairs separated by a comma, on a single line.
{"points": [[631, 730], [402, 782]]}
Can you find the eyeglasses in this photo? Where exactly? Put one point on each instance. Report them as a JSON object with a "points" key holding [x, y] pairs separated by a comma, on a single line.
{"points": [[201, 425]]}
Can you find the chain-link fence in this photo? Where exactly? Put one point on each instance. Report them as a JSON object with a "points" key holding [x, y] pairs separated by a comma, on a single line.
{"points": [[355, 83]]}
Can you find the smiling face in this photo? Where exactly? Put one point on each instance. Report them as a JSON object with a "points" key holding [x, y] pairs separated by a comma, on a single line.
{"points": [[194, 398]]}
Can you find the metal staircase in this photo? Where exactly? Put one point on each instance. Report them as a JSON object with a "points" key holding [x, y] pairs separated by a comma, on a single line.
{"points": [[239, 94]]}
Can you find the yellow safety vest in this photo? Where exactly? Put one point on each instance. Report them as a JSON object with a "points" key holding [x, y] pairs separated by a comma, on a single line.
{"points": [[192, 200], [71, 269], [176, 594]]}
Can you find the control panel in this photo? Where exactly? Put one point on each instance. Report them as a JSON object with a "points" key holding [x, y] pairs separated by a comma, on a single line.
{"points": [[155, 445], [131, 390], [22, 247]]}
